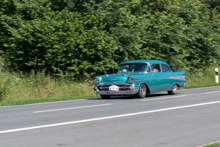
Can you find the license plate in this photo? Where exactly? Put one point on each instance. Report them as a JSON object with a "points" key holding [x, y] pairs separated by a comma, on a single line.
{"points": [[113, 88]]}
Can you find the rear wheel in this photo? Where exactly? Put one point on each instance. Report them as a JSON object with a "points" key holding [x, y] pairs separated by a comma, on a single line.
{"points": [[173, 91], [142, 91], [105, 96]]}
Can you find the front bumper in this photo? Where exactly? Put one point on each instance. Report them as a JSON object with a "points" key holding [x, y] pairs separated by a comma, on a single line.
{"points": [[130, 90]]}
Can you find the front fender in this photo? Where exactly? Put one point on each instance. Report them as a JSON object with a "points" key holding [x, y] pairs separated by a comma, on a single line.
{"points": [[147, 83]]}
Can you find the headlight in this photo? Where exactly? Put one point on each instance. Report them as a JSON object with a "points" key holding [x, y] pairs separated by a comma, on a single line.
{"points": [[96, 81], [130, 80]]}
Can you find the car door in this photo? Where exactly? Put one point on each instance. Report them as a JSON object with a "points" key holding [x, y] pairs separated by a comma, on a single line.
{"points": [[166, 74], [157, 78]]}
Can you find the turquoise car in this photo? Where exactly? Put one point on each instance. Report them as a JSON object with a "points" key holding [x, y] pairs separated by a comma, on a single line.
{"points": [[140, 78]]}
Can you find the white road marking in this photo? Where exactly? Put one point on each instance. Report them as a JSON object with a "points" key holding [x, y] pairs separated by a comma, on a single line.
{"points": [[43, 111], [108, 117], [154, 99], [212, 92]]}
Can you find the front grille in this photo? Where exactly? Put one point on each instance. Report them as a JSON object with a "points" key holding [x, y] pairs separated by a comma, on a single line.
{"points": [[122, 87]]}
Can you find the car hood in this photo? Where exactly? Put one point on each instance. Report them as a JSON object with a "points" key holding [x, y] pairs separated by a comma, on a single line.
{"points": [[116, 78]]}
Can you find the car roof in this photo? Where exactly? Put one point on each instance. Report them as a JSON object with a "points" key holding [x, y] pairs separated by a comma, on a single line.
{"points": [[145, 61]]}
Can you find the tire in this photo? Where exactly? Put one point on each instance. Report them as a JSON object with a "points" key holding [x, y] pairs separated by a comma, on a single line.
{"points": [[173, 91], [142, 91], [105, 96]]}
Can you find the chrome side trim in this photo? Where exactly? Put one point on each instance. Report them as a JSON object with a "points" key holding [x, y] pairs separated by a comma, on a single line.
{"points": [[159, 79], [182, 78]]}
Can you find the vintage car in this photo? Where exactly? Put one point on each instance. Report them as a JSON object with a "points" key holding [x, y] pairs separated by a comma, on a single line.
{"points": [[140, 78]]}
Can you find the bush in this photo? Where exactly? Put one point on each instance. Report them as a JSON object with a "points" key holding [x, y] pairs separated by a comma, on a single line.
{"points": [[79, 39]]}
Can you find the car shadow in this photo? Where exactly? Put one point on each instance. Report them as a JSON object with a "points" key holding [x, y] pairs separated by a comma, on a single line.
{"points": [[117, 97], [153, 95]]}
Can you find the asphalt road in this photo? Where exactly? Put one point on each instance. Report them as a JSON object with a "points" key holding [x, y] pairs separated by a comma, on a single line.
{"points": [[189, 119]]}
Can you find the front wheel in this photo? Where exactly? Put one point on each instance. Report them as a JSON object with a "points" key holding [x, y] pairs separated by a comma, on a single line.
{"points": [[142, 91], [105, 96], [173, 91]]}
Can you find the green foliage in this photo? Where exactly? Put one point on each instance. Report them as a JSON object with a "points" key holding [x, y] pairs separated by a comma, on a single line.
{"points": [[7, 81], [80, 38], [60, 42], [212, 4]]}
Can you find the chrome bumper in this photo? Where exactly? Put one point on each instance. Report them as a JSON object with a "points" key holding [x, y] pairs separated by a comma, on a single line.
{"points": [[185, 83], [132, 90]]}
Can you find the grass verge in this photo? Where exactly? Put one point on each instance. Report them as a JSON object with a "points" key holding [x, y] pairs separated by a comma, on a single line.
{"points": [[206, 79], [213, 145], [38, 88]]}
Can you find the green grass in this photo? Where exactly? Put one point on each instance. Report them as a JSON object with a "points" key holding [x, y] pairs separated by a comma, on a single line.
{"points": [[38, 88], [200, 86], [18, 89], [206, 79], [213, 145]]}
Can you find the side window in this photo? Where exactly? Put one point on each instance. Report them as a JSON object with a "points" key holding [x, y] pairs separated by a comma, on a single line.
{"points": [[165, 68], [155, 68]]}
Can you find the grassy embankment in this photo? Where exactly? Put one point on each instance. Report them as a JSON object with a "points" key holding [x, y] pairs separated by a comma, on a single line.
{"points": [[213, 145], [207, 79], [16, 90], [38, 88]]}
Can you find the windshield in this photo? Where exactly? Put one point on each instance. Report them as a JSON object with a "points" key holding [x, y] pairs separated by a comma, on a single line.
{"points": [[133, 67]]}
